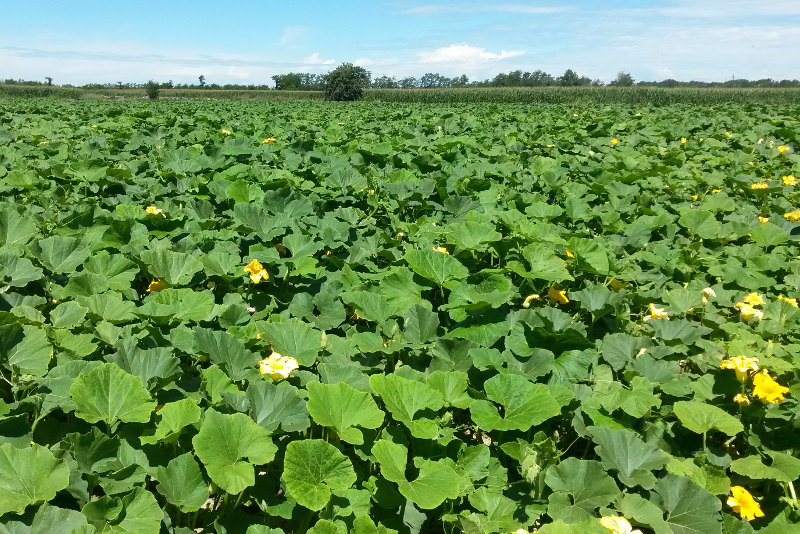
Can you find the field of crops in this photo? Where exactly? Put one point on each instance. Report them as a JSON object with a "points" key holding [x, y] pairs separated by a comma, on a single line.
{"points": [[289, 317]]}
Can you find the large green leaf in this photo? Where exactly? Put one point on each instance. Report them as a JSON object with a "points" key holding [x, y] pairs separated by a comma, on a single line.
{"points": [[229, 445], [274, 405], [436, 481], [17, 272], [182, 483], [544, 264], [524, 404], [107, 393], [700, 417], [28, 476], [580, 486], [61, 254], [294, 338], [174, 268], [343, 408], [47, 520], [690, 508], [625, 452], [700, 222], [312, 469], [173, 418], [404, 398], [441, 269], [752, 467], [154, 367], [31, 354], [180, 304], [226, 351], [14, 228]]}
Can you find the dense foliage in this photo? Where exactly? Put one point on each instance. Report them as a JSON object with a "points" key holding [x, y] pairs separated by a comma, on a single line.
{"points": [[281, 317], [346, 83]]}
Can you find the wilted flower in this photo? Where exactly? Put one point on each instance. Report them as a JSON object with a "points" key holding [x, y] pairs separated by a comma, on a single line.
{"points": [[226, 132], [618, 525], [256, 271], [741, 398], [793, 302], [268, 140], [753, 299], [763, 219], [558, 295], [766, 389], [789, 180], [529, 299], [156, 285], [400, 236], [741, 364], [277, 366], [792, 216], [783, 149], [152, 210], [251, 309], [748, 311], [706, 294], [616, 285], [759, 185], [743, 503], [656, 313], [440, 249]]}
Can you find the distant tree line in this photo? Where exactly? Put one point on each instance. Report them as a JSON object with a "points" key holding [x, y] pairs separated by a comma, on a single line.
{"points": [[304, 81]]}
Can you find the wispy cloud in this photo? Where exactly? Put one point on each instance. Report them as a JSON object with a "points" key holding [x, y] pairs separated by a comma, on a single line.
{"points": [[292, 35], [426, 10], [314, 59], [464, 54]]}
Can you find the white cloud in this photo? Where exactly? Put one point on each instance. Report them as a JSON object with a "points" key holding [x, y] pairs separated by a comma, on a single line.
{"points": [[363, 62], [291, 35], [314, 59], [466, 9], [239, 73], [463, 53]]}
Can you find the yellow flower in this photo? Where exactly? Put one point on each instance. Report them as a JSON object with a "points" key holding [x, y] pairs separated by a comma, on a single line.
{"points": [[748, 312], [792, 216], [400, 236], [783, 149], [751, 163], [614, 142], [558, 295], [618, 525], [695, 197], [268, 140], [152, 210], [793, 302], [716, 190], [257, 271], [741, 364], [529, 299], [226, 132], [763, 219], [440, 249], [789, 180], [277, 366], [551, 146], [656, 313], [727, 134], [156, 285], [570, 254], [706, 294], [616, 285], [743, 503], [754, 299], [742, 399], [683, 140], [766, 389], [760, 185]]}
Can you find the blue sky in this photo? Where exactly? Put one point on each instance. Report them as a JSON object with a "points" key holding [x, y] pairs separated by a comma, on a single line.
{"points": [[249, 41]]}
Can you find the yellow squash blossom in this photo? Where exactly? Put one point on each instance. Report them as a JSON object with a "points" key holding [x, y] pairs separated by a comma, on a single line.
{"points": [[570, 254], [226, 132], [440, 249], [789, 180], [763, 219], [256, 271], [156, 285], [793, 302], [716, 190], [742, 399], [618, 525], [614, 142], [683, 140], [558, 295], [744, 504], [529, 299], [656, 313], [748, 312], [792, 216], [268, 140], [766, 389], [277, 366], [754, 299], [783, 149], [741, 364], [706, 294], [152, 210], [695, 197], [760, 185], [727, 134]]}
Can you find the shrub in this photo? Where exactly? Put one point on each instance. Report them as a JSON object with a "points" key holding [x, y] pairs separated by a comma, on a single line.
{"points": [[151, 89], [346, 82]]}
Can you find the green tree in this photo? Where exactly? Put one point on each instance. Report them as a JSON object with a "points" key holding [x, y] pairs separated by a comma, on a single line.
{"points": [[346, 82], [570, 78], [151, 89], [49, 80], [624, 79], [202, 80]]}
